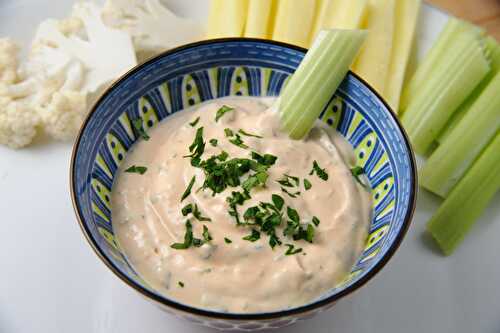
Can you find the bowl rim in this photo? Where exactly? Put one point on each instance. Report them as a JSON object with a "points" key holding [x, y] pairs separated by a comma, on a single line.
{"points": [[303, 309]]}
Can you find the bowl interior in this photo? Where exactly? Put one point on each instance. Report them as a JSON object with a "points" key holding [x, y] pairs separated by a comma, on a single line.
{"points": [[208, 70]]}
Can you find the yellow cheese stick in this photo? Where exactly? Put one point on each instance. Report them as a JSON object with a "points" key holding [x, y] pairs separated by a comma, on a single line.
{"points": [[374, 59], [260, 18], [407, 13], [294, 21], [339, 14], [227, 18]]}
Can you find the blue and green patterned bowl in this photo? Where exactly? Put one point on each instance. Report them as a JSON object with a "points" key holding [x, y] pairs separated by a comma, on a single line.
{"points": [[239, 67]]}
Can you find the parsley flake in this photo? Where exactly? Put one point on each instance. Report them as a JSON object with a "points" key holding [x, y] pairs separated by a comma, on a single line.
{"points": [[139, 126], [278, 201], [356, 173], [238, 142], [181, 284], [321, 173], [187, 192], [227, 240], [253, 237], [197, 148], [137, 169], [242, 132], [188, 238], [267, 159], [214, 142], [193, 124], [198, 216], [291, 195], [292, 250], [222, 111], [228, 132], [307, 184], [315, 221], [206, 234]]}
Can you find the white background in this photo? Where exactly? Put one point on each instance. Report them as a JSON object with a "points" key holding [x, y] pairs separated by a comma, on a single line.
{"points": [[51, 281]]}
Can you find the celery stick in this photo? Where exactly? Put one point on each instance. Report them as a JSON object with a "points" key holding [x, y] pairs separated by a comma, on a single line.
{"points": [[227, 18], [453, 28], [339, 14], [494, 50], [323, 11], [461, 68], [468, 200], [458, 151], [348, 14], [259, 19], [407, 14], [315, 81], [294, 21], [374, 58]]}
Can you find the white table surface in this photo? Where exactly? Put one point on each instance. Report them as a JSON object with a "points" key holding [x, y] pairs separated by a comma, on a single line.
{"points": [[51, 281]]}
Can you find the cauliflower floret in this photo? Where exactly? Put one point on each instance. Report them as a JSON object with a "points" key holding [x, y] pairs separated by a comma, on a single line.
{"points": [[70, 26], [64, 115], [18, 123], [8, 61], [152, 26], [105, 53]]}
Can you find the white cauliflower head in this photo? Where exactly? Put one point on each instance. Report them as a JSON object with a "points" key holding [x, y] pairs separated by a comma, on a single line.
{"points": [[64, 115], [104, 52], [8, 61], [18, 123], [153, 27]]}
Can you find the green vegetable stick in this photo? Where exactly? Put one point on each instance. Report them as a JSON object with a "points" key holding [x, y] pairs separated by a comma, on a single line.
{"points": [[494, 51], [468, 200], [453, 28], [459, 71], [315, 81], [458, 151]]}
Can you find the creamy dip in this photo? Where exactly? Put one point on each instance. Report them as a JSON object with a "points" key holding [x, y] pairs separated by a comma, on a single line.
{"points": [[229, 273]]}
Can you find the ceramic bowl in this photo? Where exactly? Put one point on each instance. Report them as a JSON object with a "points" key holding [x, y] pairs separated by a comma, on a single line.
{"points": [[239, 67]]}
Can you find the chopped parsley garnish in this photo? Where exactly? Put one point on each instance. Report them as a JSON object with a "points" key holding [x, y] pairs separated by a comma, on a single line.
{"points": [[214, 142], [181, 284], [297, 231], [236, 199], [307, 184], [227, 240], [253, 237], [267, 159], [238, 142], [137, 169], [292, 250], [321, 173], [315, 221], [193, 124], [206, 234], [197, 148], [356, 173], [188, 238], [187, 192], [139, 126], [290, 194], [242, 132], [278, 201], [222, 111]]}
